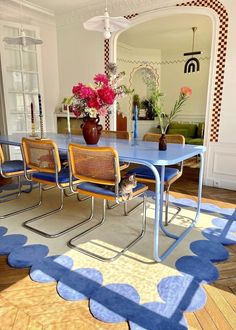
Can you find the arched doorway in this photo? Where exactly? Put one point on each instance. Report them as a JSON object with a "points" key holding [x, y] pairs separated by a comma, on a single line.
{"points": [[174, 12]]}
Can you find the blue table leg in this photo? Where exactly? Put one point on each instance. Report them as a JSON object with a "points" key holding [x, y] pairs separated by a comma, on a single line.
{"points": [[182, 236]]}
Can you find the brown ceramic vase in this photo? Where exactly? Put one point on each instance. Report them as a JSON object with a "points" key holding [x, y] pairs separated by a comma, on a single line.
{"points": [[91, 129]]}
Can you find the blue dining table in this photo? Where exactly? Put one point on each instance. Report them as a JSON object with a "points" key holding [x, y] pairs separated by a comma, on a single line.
{"points": [[145, 153]]}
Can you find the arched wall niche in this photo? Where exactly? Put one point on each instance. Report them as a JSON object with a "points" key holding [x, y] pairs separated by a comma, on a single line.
{"points": [[136, 82], [219, 18]]}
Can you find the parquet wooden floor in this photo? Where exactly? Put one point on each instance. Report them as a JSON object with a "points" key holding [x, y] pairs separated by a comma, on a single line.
{"points": [[25, 304]]}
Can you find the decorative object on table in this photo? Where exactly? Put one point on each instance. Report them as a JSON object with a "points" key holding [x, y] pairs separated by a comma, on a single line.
{"points": [[68, 120], [162, 142], [66, 108], [41, 117], [22, 39], [106, 24], [156, 99], [135, 122], [192, 64], [91, 102], [91, 129], [33, 133]]}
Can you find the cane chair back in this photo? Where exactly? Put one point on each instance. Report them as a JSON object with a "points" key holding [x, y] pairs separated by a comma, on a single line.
{"points": [[94, 164], [124, 135], [170, 138], [41, 155]]}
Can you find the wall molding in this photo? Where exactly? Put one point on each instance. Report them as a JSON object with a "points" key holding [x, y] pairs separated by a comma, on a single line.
{"points": [[228, 158]]}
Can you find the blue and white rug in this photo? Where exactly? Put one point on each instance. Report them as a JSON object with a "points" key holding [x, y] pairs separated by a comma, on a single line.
{"points": [[134, 289]]}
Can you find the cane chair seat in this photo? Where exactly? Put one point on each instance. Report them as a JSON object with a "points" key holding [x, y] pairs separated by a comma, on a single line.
{"points": [[98, 170], [11, 166], [63, 177], [146, 173], [102, 191]]}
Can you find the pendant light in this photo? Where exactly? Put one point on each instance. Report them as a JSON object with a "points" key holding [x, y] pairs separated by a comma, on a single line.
{"points": [[22, 39], [192, 64], [106, 24]]}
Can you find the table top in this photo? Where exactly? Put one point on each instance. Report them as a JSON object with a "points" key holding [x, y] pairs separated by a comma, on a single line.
{"points": [[134, 151]]}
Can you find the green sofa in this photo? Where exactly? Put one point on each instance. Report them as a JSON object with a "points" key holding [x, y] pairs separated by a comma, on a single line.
{"points": [[193, 133]]}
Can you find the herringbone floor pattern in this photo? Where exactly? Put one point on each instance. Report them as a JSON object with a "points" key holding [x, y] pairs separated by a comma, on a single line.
{"points": [[25, 304]]}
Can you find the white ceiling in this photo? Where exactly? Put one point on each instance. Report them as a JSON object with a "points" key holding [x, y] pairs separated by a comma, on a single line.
{"points": [[169, 34], [62, 6], [164, 33]]}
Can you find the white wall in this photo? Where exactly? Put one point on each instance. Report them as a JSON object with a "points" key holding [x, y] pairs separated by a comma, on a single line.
{"points": [[221, 162], [81, 55], [173, 78], [49, 55]]}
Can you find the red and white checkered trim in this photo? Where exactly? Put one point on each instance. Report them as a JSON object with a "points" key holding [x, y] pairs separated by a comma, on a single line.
{"points": [[106, 61], [220, 65], [220, 62]]}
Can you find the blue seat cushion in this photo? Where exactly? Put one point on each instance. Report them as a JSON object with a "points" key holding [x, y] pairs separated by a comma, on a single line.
{"points": [[63, 176], [63, 155], [145, 172], [13, 166], [104, 189]]}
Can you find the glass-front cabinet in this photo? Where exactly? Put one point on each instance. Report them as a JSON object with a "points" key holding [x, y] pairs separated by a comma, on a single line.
{"points": [[21, 80]]}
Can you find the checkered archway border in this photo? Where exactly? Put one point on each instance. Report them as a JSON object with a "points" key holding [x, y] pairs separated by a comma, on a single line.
{"points": [[220, 62]]}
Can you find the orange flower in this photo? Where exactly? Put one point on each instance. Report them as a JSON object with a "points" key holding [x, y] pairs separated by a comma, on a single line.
{"points": [[187, 91]]}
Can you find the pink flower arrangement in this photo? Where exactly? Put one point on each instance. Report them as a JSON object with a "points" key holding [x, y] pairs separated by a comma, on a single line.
{"points": [[98, 99]]}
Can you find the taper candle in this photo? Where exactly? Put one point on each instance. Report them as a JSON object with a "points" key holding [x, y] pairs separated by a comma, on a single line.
{"points": [[40, 106], [135, 122], [32, 112], [68, 120]]}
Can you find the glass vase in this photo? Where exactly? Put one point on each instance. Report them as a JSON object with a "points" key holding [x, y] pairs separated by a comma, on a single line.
{"points": [[162, 142]]}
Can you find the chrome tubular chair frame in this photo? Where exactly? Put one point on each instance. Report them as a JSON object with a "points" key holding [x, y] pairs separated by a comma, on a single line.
{"points": [[101, 222], [155, 138], [72, 244], [14, 195], [58, 209]]}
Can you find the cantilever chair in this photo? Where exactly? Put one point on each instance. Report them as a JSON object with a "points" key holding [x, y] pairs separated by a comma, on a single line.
{"points": [[43, 157], [123, 135], [12, 169], [98, 168], [116, 134], [144, 174]]}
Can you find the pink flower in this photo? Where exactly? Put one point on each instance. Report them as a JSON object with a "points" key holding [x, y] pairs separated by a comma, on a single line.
{"points": [[98, 98], [101, 78], [94, 102], [102, 111], [187, 91], [107, 95], [83, 91]]}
